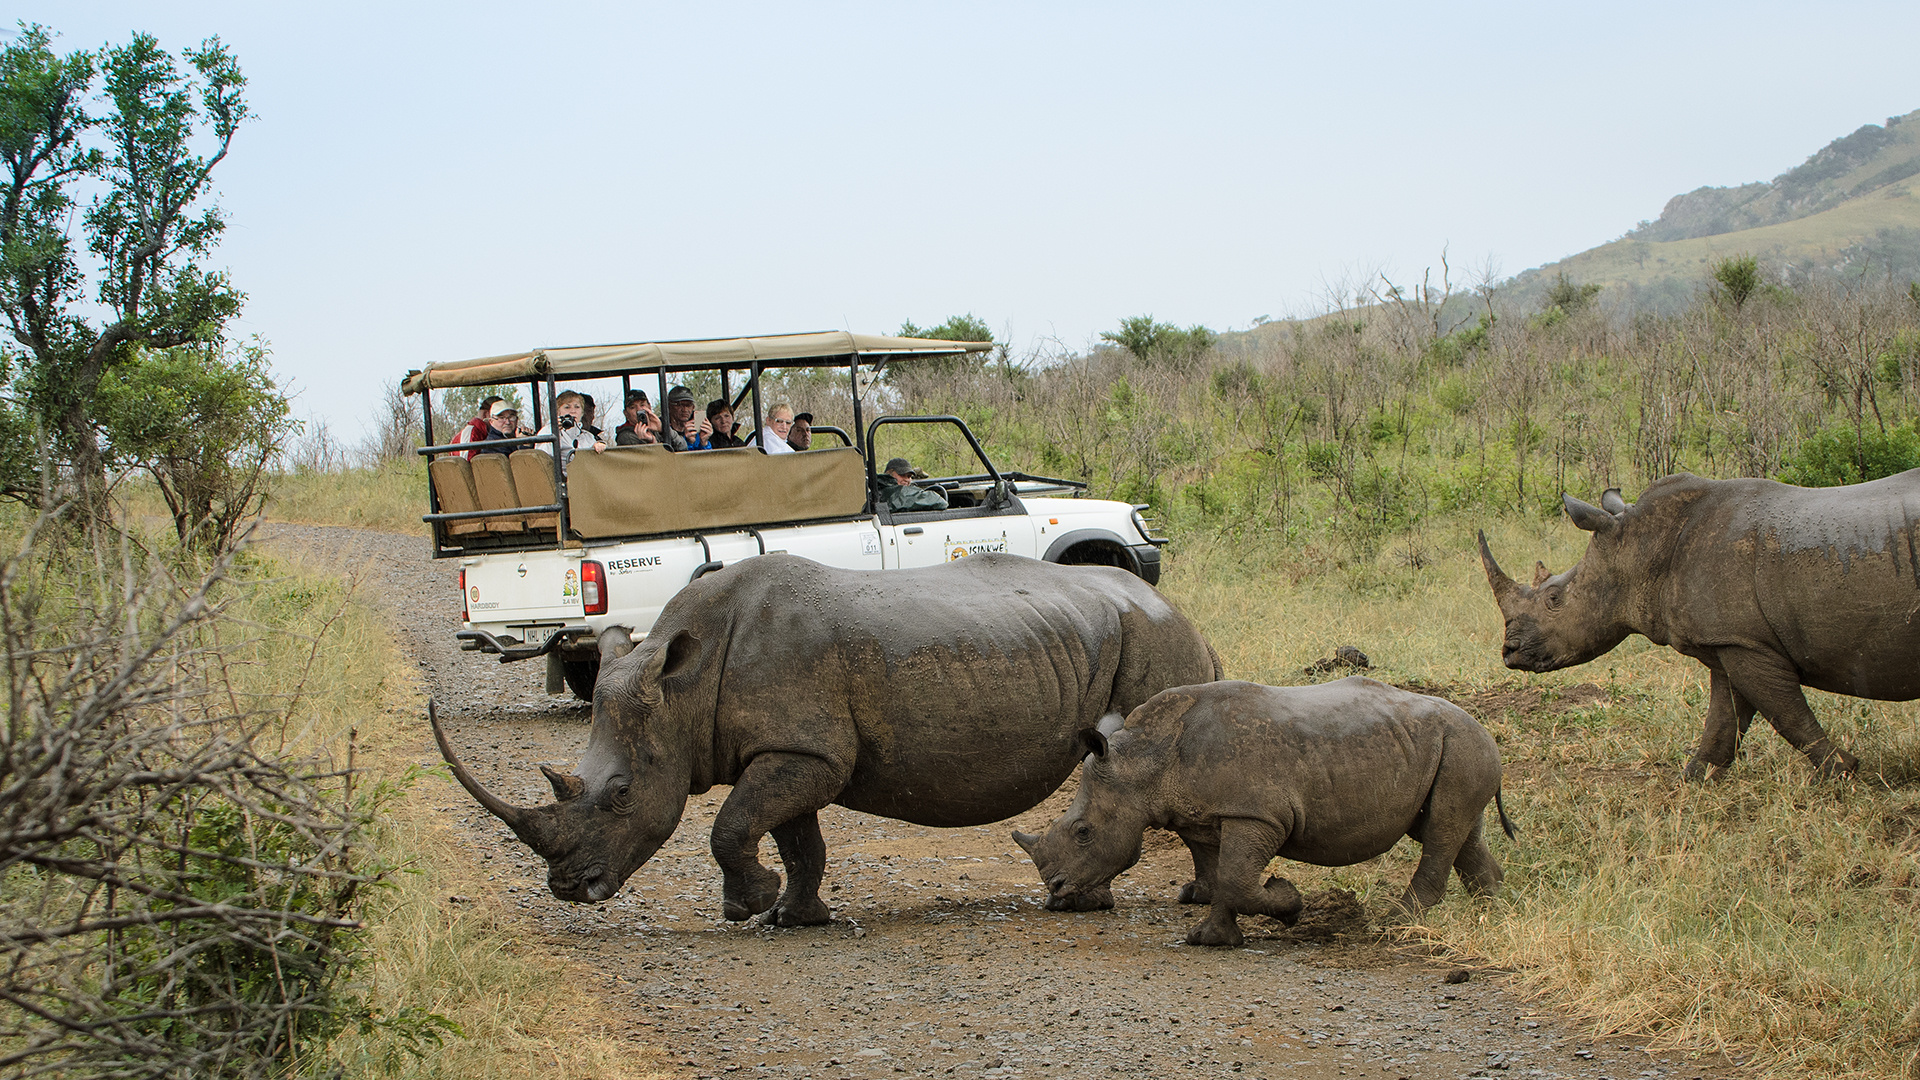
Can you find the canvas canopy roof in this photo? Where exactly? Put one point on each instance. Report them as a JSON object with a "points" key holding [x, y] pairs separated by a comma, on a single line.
{"points": [[576, 361]]}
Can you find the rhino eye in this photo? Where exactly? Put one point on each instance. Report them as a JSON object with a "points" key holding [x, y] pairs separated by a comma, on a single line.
{"points": [[1082, 832], [1553, 599]]}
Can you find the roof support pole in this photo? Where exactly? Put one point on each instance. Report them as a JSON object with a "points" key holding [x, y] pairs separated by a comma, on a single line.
{"points": [[753, 384], [433, 496], [559, 468], [853, 375]]}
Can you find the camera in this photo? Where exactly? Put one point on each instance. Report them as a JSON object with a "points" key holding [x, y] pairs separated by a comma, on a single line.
{"points": [[566, 423]]}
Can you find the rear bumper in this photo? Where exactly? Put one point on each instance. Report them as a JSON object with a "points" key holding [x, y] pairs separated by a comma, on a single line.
{"points": [[482, 641]]}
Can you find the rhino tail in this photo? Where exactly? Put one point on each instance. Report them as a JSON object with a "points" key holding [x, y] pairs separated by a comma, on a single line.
{"points": [[1506, 823], [1219, 671]]}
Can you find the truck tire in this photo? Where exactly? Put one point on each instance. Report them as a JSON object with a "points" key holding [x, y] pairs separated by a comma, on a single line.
{"points": [[581, 675]]}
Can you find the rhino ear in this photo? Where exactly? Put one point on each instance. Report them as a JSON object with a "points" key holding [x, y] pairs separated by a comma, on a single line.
{"points": [[681, 655], [1611, 502], [1540, 574], [1089, 741], [564, 787], [1586, 517]]}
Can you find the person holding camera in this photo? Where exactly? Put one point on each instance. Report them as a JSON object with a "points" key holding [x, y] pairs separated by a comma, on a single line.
{"points": [[642, 427], [685, 429], [720, 418], [573, 436]]}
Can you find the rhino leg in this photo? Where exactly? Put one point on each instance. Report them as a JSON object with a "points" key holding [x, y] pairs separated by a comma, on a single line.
{"points": [[1451, 832], [1773, 686], [803, 851], [1206, 856], [772, 790], [1729, 715], [1479, 871], [1240, 886]]}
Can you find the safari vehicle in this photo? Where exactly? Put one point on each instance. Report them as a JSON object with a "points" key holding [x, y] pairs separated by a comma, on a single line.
{"points": [[548, 563]]}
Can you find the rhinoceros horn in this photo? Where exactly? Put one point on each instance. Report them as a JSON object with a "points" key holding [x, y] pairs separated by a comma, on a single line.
{"points": [[564, 786], [1505, 588], [524, 825], [1025, 840]]}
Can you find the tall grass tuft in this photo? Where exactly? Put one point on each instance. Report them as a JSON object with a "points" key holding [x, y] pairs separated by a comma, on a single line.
{"points": [[517, 1012]]}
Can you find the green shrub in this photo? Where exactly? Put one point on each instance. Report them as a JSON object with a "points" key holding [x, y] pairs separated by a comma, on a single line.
{"points": [[1842, 455]]}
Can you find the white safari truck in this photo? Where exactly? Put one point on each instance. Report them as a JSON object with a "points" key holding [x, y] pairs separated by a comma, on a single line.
{"points": [[548, 563]]}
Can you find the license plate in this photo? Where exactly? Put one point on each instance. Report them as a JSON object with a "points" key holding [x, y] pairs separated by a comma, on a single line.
{"points": [[538, 635]]}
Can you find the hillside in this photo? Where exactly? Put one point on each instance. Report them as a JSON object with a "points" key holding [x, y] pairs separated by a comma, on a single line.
{"points": [[1850, 209]]}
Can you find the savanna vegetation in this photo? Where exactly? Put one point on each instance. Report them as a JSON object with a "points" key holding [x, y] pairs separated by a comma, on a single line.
{"points": [[207, 864], [207, 861], [1322, 480]]}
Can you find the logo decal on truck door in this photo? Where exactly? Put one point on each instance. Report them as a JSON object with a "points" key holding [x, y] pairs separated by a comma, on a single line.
{"points": [[963, 548]]}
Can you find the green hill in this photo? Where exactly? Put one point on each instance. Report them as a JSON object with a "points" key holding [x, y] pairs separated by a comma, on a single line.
{"points": [[1850, 209]]}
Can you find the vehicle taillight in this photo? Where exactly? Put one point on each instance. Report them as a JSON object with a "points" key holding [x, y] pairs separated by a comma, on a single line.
{"points": [[465, 616], [593, 587]]}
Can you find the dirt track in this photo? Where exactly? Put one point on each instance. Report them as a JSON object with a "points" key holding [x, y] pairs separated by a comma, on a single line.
{"points": [[940, 959]]}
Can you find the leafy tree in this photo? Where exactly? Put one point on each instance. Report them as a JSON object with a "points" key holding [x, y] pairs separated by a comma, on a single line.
{"points": [[1571, 299], [150, 151], [1152, 341], [1737, 278], [459, 404], [968, 327], [205, 425]]}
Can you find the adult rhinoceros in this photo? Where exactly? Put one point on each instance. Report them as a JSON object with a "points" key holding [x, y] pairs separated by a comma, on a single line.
{"points": [[950, 696], [1772, 587]]}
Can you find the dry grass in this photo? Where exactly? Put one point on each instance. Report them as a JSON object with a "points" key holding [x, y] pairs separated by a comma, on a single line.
{"points": [[1766, 913], [390, 498], [522, 1012]]}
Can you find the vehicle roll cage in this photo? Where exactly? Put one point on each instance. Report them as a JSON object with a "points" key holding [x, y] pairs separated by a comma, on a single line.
{"points": [[862, 439]]}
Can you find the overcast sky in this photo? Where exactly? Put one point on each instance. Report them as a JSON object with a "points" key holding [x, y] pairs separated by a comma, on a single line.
{"points": [[429, 184]]}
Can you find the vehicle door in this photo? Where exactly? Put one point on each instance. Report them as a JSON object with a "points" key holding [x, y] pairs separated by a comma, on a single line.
{"points": [[984, 513]]}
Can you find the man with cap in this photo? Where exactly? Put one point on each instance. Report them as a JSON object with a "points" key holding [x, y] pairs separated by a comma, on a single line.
{"points": [[905, 496], [684, 428], [800, 435], [642, 427], [480, 428]]}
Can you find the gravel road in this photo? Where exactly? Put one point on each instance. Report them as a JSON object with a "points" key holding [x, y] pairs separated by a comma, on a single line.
{"points": [[941, 959]]}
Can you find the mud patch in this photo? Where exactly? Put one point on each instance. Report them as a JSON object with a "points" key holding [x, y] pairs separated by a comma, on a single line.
{"points": [[1330, 915]]}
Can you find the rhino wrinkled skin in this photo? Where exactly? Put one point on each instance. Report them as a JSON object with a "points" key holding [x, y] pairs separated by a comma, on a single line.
{"points": [[956, 695], [1772, 587], [1332, 775]]}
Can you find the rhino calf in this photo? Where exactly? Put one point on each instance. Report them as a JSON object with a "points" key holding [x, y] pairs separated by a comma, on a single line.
{"points": [[1331, 775]]}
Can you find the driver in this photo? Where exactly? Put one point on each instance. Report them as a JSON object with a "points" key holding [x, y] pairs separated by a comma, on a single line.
{"points": [[905, 496]]}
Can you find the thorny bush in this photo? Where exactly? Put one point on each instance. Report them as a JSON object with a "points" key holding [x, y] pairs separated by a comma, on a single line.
{"points": [[181, 870]]}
